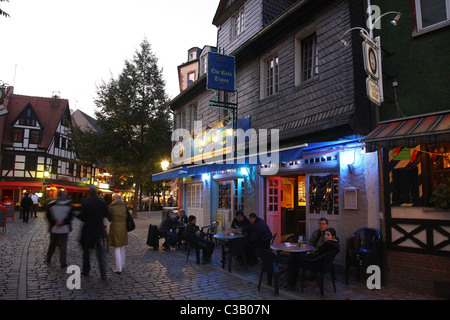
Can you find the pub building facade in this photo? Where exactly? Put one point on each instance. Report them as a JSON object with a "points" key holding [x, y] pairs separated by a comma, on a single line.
{"points": [[292, 75], [412, 142]]}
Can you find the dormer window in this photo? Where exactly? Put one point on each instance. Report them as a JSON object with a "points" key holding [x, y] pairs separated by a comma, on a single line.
{"points": [[28, 118]]}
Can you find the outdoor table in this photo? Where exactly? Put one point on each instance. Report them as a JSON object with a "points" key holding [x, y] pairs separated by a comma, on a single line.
{"points": [[291, 247], [225, 238]]}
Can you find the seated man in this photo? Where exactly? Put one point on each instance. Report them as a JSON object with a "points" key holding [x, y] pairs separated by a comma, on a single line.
{"points": [[317, 237], [259, 236], [181, 217], [240, 222], [330, 243], [166, 227], [200, 240]]}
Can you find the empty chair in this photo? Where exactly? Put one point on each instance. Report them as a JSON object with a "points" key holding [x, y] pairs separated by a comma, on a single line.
{"points": [[269, 264], [273, 238], [189, 245], [320, 266], [363, 249], [235, 248]]}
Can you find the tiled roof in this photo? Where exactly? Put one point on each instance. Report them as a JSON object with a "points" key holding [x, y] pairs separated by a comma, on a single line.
{"points": [[49, 112]]}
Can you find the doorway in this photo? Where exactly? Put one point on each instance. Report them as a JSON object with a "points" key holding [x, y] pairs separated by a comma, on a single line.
{"points": [[293, 205]]}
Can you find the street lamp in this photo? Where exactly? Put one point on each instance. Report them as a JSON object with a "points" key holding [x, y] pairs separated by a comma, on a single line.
{"points": [[164, 165], [372, 55]]}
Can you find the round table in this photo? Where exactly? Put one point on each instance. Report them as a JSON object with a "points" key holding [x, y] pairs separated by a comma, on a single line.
{"points": [[225, 237], [291, 247]]}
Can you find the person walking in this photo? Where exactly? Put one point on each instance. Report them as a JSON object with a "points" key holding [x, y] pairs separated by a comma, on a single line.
{"points": [[26, 204], [35, 206], [93, 211], [59, 216], [118, 235]]}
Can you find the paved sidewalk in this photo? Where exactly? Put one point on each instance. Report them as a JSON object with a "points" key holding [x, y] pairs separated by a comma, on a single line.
{"points": [[149, 274]]}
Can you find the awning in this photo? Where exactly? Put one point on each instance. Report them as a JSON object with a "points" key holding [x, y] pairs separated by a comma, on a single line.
{"points": [[106, 191], [170, 174], [284, 154], [19, 184], [69, 187], [408, 132]]}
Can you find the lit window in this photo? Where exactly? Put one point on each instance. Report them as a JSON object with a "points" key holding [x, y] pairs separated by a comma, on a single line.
{"points": [[18, 135]]}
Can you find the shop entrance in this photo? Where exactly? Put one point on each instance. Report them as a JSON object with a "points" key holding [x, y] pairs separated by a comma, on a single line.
{"points": [[230, 199], [293, 205]]}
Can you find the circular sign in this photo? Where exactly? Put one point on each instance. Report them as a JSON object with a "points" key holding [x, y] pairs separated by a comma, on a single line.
{"points": [[373, 60]]}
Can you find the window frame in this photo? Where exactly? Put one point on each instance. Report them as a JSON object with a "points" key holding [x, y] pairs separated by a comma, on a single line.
{"points": [[238, 23], [418, 22], [270, 75], [18, 132], [308, 31]]}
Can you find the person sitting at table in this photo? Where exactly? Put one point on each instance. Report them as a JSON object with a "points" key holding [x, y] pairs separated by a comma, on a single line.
{"points": [[166, 227], [240, 222], [317, 237], [330, 243], [259, 236], [182, 217], [200, 239]]}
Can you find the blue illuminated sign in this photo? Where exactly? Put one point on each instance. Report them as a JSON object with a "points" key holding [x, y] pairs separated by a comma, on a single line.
{"points": [[221, 72]]}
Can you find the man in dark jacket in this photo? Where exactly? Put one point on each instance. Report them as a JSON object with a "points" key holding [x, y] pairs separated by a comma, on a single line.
{"points": [[26, 204], [166, 227], [200, 240], [259, 236], [93, 212], [59, 217], [240, 222]]}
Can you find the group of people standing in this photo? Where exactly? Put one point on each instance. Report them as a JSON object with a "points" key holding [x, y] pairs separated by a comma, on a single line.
{"points": [[29, 205], [94, 211]]}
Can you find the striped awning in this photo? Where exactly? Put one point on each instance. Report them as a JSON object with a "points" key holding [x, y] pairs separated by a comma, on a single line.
{"points": [[429, 129]]}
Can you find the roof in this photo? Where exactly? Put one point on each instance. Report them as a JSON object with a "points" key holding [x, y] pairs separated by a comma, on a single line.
{"points": [[431, 128], [49, 112], [83, 120]]}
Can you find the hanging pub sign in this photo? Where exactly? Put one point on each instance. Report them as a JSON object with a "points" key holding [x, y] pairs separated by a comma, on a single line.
{"points": [[221, 72], [371, 59]]}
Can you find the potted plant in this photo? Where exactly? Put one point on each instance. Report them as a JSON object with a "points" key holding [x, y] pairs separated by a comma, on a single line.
{"points": [[441, 196]]}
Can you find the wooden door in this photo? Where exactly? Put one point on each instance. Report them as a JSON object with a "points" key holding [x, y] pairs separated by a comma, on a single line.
{"points": [[273, 206]]}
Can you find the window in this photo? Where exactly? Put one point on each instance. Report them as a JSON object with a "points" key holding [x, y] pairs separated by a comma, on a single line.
{"points": [[309, 57], [28, 118], [34, 136], [432, 13], [224, 195], [271, 76], [195, 196], [238, 23], [191, 78], [18, 135]]}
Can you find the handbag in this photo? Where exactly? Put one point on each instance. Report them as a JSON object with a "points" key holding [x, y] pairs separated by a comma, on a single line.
{"points": [[130, 221]]}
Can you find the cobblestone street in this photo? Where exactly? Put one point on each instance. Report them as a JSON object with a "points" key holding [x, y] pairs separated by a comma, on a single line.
{"points": [[149, 274]]}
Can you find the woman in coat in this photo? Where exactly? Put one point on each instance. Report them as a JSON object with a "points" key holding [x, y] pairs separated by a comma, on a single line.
{"points": [[118, 235]]}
